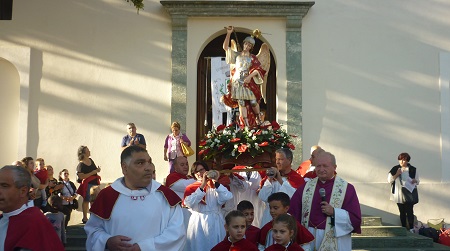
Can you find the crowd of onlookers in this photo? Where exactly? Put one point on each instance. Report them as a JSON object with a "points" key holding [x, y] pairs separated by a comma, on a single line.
{"points": [[198, 208], [54, 196]]}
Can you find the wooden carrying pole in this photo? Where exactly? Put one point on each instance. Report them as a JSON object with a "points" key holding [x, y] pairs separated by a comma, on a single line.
{"points": [[242, 170]]}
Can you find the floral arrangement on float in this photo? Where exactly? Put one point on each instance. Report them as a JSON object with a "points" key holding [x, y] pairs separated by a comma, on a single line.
{"points": [[230, 142]]}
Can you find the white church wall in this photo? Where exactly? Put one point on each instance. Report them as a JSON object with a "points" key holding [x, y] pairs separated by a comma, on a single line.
{"points": [[9, 103], [370, 70], [98, 66], [371, 91]]}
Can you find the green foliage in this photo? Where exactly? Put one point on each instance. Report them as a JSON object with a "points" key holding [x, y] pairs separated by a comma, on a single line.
{"points": [[139, 4]]}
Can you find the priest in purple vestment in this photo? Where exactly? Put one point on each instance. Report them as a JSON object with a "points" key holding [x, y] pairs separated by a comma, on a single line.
{"points": [[328, 206]]}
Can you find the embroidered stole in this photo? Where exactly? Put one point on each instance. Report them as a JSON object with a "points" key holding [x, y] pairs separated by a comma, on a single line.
{"points": [[329, 242]]}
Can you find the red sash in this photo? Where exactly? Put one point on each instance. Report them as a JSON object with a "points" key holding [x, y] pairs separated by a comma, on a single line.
{"points": [[82, 189]]}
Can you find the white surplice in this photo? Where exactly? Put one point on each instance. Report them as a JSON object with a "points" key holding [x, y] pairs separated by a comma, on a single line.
{"points": [[269, 188], [342, 231], [206, 225], [143, 215], [250, 194], [237, 186]]}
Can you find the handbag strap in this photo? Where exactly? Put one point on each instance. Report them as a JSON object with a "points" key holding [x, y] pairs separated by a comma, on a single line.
{"points": [[68, 189]]}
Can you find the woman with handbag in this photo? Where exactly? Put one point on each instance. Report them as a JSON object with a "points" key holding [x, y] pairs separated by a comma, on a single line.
{"points": [[403, 178], [174, 144], [87, 173], [68, 195]]}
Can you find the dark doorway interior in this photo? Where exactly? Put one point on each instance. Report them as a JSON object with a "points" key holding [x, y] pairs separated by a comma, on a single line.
{"points": [[6, 9], [204, 112]]}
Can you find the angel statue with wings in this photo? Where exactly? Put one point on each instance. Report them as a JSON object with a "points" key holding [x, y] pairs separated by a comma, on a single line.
{"points": [[248, 78]]}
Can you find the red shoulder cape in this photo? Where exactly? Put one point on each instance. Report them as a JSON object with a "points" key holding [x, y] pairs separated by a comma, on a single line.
{"points": [[252, 234], [310, 175], [191, 189], [241, 245], [171, 197], [104, 203], [303, 234], [277, 247], [31, 230], [174, 177], [106, 199], [313, 174], [294, 179], [223, 179], [303, 167], [264, 232]]}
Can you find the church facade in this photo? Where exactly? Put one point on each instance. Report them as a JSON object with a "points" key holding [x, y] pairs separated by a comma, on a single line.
{"points": [[365, 80]]}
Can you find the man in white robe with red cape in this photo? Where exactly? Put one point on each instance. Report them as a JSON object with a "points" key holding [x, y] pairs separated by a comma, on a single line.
{"points": [[178, 181], [332, 215], [136, 212], [285, 180], [22, 225]]}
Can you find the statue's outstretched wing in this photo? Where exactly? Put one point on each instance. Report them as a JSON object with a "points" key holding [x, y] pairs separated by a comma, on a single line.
{"points": [[264, 58]]}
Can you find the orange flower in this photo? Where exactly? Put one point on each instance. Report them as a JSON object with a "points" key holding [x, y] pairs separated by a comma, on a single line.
{"points": [[235, 140], [242, 148], [203, 152], [265, 143]]}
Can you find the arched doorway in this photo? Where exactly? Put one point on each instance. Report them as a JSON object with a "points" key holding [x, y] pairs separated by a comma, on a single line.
{"points": [[204, 102], [9, 101]]}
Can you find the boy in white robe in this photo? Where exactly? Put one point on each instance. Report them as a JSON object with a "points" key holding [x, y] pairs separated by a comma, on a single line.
{"points": [[205, 198]]}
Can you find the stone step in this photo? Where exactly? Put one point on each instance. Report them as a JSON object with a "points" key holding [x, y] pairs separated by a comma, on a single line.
{"points": [[76, 240], [371, 221], [76, 229], [68, 248], [408, 241], [374, 237], [436, 247], [382, 231], [76, 237]]}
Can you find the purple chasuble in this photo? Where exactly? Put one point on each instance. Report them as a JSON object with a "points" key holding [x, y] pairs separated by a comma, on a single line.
{"points": [[317, 218]]}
